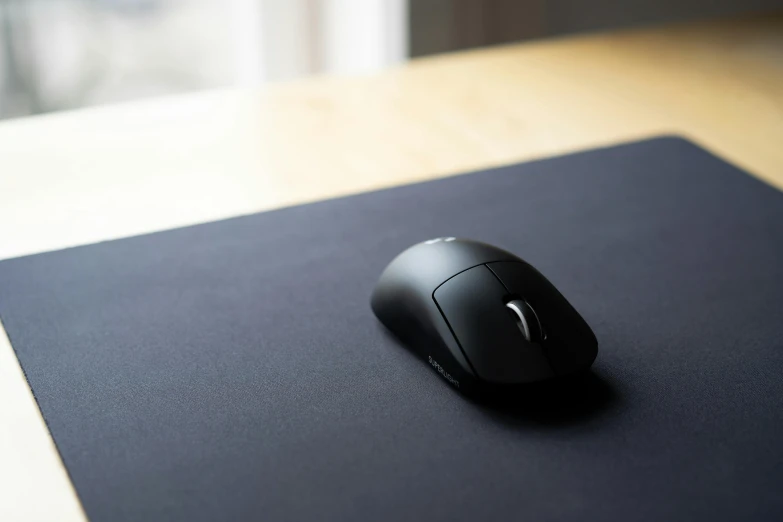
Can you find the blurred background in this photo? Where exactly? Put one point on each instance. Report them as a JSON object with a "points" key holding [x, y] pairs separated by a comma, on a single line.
{"points": [[64, 54]]}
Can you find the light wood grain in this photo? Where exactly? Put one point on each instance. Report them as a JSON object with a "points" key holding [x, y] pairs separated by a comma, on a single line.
{"points": [[91, 175]]}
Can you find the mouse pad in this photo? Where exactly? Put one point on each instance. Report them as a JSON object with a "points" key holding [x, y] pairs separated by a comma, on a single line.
{"points": [[234, 370]]}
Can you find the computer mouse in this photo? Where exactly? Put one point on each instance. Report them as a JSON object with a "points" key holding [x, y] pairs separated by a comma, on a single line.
{"points": [[480, 316]]}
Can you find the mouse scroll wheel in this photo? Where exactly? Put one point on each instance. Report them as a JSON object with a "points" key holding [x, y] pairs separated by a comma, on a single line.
{"points": [[527, 320]]}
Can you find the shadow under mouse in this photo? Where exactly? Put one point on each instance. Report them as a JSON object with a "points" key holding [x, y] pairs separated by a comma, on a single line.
{"points": [[557, 403]]}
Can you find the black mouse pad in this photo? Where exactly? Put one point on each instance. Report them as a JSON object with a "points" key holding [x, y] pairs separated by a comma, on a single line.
{"points": [[234, 370]]}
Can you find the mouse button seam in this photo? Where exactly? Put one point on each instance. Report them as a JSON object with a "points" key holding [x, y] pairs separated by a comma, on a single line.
{"points": [[460, 272], [497, 276], [454, 335]]}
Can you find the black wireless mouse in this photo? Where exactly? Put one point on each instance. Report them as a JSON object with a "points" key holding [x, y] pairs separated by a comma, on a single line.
{"points": [[480, 316]]}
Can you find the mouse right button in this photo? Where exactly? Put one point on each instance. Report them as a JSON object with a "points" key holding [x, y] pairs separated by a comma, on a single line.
{"points": [[569, 344]]}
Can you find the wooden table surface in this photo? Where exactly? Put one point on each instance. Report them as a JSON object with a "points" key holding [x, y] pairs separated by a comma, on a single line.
{"points": [[85, 176]]}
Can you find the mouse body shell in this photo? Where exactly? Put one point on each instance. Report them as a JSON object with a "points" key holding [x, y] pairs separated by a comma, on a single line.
{"points": [[452, 301]]}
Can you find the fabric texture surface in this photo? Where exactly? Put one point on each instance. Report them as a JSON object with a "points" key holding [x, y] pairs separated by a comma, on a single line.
{"points": [[234, 370]]}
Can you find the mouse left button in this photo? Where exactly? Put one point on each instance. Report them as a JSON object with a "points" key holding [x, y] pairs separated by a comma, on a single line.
{"points": [[474, 305]]}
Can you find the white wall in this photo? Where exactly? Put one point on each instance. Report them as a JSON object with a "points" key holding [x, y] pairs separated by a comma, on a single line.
{"points": [[363, 35], [301, 37], [63, 54]]}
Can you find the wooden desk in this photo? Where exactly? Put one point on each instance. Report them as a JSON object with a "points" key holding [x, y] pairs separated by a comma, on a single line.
{"points": [[90, 175]]}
